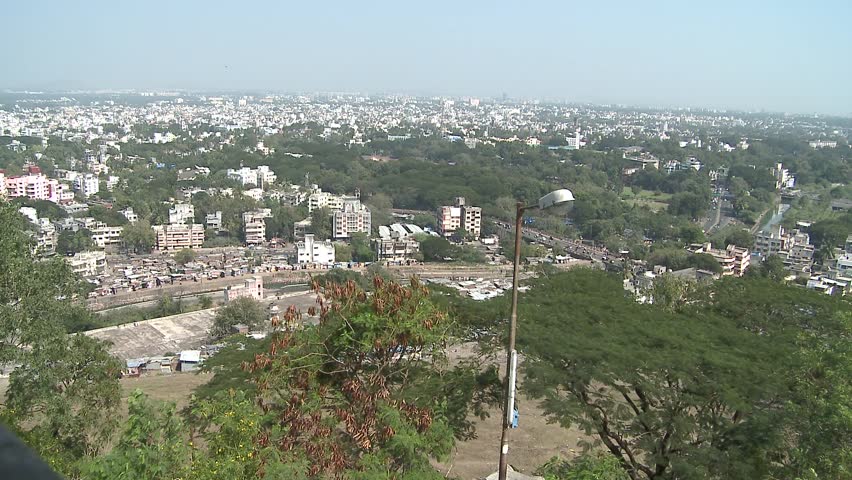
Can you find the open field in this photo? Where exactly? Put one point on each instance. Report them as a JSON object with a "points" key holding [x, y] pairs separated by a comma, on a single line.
{"points": [[653, 200]]}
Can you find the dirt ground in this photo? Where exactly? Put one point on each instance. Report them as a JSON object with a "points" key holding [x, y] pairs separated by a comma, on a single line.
{"points": [[176, 387], [531, 445]]}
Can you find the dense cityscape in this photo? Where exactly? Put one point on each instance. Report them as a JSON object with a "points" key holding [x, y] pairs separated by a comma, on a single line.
{"points": [[195, 220], [451, 241]]}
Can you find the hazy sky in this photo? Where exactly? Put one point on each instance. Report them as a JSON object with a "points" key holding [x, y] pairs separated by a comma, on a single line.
{"points": [[775, 55]]}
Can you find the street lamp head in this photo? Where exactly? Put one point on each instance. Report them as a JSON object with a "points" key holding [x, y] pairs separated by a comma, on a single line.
{"points": [[555, 197]]}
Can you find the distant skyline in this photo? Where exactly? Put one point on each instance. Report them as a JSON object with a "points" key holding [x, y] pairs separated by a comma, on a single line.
{"points": [[749, 55]]}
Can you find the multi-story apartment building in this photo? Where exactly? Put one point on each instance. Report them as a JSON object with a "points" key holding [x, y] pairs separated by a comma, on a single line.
{"points": [[44, 232], [354, 217], [45, 237], [251, 287], [310, 251], [181, 213], [130, 215], [261, 176], [734, 260], [33, 185], [87, 184], [459, 216], [396, 249], [179, 236], [255, 226], [214, 220], [88, 264], [319, 199], [103, 235], [794, 248]]}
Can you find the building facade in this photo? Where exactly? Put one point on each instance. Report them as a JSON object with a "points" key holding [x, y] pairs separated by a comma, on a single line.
{"points": [[255, 226], [104, 235], [354, 217], [181, 213], [33, 185], [251, 288], [87, 184], [459, 216], [178, 237], [310, 251], [88, 264]]}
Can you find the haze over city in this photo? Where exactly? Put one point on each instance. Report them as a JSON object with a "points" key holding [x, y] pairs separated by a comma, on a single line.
{"points": [[425, 241], [785, 57]]}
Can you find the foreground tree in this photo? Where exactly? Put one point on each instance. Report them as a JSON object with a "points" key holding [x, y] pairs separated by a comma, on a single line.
{"points": [[64, 391], [367, 393], [699, 389], [153, 445]]}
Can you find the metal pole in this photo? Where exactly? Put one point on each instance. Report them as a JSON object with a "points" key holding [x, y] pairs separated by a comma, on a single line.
{"points": [[513, 323]]}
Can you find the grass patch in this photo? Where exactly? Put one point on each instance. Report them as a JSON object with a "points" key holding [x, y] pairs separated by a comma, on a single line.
{"points": [[656, 201]]}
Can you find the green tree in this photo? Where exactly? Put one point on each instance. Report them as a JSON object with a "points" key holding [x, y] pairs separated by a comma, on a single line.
{"points": [[425, 221], [361, 250], [704, 261], [63, 399], [589, 466], [435, 249], [182, 257], [820, 412], [772, 267], [153, 445], [363, 369], [694, 390], [138, 238], [741, 238], [107, 215], [205, 302], [321, 223], [244, 310], [342, 252], [74, 242]]}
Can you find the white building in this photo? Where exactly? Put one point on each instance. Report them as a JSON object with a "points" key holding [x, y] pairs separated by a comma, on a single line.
{"points": [[260, 177], [87, 184], [783, 179], [354, 217], [319, 199], [255, 193], [573, 143], [181, 213], [822, 144], [214, 220], [88, 264], [130, 215], [312, 252], [112, 182], [255, 226], [396, 243], [103, 235], [251, 287]]}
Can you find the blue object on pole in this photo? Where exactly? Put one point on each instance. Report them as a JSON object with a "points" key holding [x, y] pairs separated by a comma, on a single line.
{"points": [[515, 416]]}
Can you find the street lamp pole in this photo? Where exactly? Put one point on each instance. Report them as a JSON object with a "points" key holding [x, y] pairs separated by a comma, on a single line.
{"points": [[511, 355], [553, 198]]}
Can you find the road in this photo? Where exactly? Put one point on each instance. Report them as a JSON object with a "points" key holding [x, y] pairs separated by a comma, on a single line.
{"points": [[572, 247]]}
